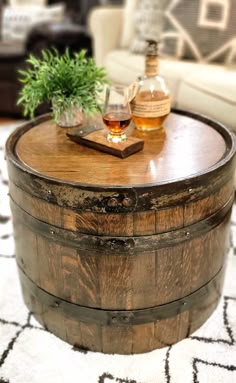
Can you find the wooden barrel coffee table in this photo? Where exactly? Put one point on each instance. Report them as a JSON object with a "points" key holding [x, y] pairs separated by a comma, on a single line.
{"points": [[122, 255]]}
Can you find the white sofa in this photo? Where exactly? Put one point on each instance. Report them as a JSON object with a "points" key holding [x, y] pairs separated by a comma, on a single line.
{"points": [[208, 89]]}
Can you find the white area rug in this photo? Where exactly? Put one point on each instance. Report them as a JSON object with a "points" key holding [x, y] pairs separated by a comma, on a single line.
{"points": [[29, 354]]}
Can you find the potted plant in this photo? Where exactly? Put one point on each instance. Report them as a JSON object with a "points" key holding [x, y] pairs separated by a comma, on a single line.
{"points": [[70, 82]]}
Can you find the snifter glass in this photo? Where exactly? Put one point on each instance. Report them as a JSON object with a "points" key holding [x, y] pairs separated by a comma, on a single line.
{"points": [[116, 113]]}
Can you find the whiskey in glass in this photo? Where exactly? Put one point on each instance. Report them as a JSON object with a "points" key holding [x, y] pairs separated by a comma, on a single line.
{"points": [[117, 113]]}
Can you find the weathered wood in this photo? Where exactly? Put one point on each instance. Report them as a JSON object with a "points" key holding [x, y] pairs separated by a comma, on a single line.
{"points": [[126, 317], [128, 224], [96, 279], [119, 255], [112, 245], [86, 180]]}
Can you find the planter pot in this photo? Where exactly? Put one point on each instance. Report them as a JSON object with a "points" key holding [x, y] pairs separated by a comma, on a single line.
{"points": [[73, 116]]}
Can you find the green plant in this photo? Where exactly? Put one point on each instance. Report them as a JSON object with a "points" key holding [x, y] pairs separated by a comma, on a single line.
{"points": [[65, 80]]}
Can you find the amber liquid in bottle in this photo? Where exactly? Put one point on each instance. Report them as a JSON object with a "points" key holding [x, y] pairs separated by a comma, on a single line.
{"points": [[149, 123], [151, 104], [116, 122]]}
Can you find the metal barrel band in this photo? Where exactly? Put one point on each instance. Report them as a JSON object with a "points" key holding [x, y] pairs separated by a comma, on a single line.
{"points": [[104, 317], [117, 245]]}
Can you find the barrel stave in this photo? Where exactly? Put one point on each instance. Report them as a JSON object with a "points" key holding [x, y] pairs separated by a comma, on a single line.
{"points": [[125, 224], [121, 281], [125, 339]]}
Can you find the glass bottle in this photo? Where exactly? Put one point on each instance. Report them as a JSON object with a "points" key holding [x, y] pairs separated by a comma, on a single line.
{"points": [[151, 104]]}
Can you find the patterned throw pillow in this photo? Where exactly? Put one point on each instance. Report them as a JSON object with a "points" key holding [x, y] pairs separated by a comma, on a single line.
{"points": [[18, 21], [201, 30], [16, 3], [149, 18]]}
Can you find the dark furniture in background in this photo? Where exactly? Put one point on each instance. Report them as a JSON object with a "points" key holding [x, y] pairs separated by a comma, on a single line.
{"points": [[72, 33]]}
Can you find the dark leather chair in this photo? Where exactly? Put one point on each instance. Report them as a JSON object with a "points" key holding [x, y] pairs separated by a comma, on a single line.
{"points": [[71, 33]]}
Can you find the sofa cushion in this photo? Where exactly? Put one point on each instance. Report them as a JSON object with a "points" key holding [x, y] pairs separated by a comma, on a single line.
{"points": [[124, 67], [203, 30], [210, 92], [10, 63], [128, 23], [14, 3]]}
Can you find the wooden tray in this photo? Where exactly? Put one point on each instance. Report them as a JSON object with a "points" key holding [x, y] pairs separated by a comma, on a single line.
{"points": [[95, 138]]}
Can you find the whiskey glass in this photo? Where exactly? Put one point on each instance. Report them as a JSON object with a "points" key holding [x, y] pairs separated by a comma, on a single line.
{"points": [[116, 113]]}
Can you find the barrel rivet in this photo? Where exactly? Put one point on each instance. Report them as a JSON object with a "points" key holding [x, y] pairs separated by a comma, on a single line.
{"points": [[127, 202], [57, 304], [125, 319], [49, 192], [112, 202], [187, 234], [52, 232], [190, 190]]}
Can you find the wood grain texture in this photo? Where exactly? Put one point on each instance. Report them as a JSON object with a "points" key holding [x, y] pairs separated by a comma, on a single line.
{"points": [[124, 339], [197, 210], [125, 224], [119, 240], [122, 281], [117, 245], [47, 150]]}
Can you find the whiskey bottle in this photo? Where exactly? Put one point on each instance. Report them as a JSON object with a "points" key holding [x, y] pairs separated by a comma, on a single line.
{"points": [[151, 104]]}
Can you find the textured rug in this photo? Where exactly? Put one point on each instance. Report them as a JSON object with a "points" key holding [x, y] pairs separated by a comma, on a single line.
{"points": [[30, 354]]}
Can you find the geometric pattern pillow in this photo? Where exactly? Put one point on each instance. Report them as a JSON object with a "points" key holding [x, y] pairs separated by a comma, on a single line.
{"points": [[149, 19], [201, 30]]}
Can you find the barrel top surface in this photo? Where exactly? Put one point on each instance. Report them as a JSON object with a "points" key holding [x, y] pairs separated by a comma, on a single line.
{"points": [[187, 146]]}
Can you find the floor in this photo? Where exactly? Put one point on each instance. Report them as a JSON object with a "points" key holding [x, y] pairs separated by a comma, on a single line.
{"points": [[7, 120]]}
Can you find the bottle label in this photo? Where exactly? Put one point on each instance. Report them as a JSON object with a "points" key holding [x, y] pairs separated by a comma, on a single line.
{"points": [[151, 108], [151, 66], [132, 90]]}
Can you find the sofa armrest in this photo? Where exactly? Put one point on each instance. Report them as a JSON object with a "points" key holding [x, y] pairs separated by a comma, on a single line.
{"points": [[105, 25], [60, 35]]}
